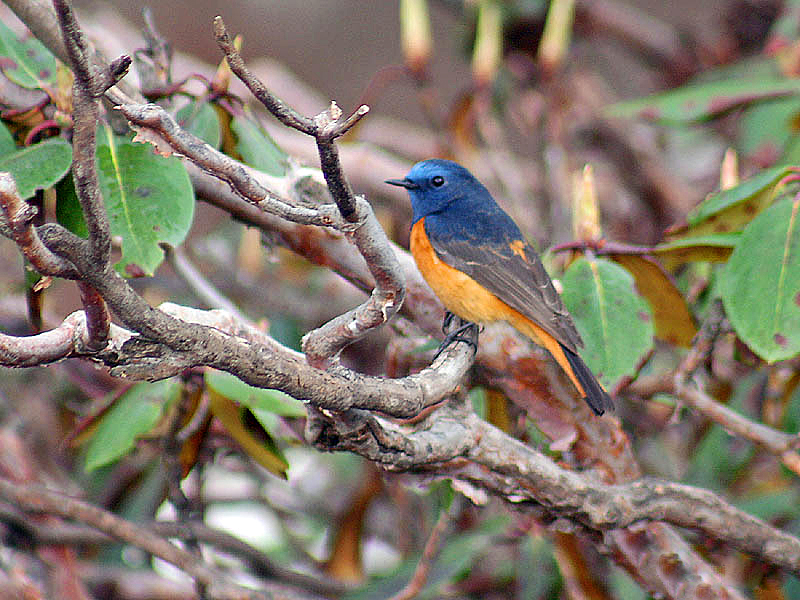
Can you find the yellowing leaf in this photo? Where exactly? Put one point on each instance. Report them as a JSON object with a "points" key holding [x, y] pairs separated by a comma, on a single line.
{"points": [[253, 438], [673, 321]]}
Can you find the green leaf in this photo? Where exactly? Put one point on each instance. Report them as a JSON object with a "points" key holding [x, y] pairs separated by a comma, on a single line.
{"points": [[702, 101], [133, 414], [39, 166], [68, 207], [730, 209], [257, 399], [711, 248], [760, 285], [149, 200], [257, 148], [7, 144], [27, 63], [200, 118], [616, 324], [772, 504], [765, 129]]}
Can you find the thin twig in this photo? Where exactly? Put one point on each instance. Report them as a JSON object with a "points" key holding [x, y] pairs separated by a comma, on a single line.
{"points": [[38, 499], [199, 284], [322, 345], [324, 128], [151, 118], [781, 444], [98, 321], [18, 216], [429, 552]]}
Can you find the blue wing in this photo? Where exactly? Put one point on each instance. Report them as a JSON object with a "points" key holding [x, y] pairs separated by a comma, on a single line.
{"points": [[491, 249]]}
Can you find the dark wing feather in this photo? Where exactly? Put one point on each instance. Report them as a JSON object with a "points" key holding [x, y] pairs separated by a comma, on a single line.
{"points": [[522, 283]]}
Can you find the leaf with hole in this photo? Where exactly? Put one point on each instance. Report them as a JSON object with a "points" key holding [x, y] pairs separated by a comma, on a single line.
{"points": [[616, 324], [148, 197]]}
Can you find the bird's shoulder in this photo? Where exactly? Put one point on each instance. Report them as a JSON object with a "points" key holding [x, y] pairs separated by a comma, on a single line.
{"points": [[486, 223]]}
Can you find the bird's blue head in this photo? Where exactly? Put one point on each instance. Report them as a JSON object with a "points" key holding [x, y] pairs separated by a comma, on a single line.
{"points": [[435, 184]]}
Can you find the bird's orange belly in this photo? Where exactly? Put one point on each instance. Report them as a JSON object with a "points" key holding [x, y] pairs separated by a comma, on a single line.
{"points": [[459, 293], [464, 296]]}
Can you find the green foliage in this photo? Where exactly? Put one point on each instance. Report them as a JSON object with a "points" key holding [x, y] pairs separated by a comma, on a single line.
{"points": [[257, 148], [68, 207], [760, 285], [7, 145], [616, 324], [131, 416], [257, 399], [729, 209], [28, 63], [705, 100], [149, 200], [201, 119], [750, 227], [38, 166]]}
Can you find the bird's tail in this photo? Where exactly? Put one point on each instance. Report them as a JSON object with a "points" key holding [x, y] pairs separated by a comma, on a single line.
{"points": [[596, 397]]}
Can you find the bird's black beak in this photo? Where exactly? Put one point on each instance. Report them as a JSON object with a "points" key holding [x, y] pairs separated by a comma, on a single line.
{"points": [[406, 183]]}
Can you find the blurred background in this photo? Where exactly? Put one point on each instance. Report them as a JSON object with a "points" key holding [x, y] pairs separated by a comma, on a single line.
{"points": [[525, 127]]}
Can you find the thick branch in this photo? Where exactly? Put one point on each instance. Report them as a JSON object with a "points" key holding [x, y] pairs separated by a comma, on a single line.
{"points": [[216, 339], [458, 444]]}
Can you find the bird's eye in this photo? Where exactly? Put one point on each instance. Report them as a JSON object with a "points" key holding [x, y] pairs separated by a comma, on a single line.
{"points": [[438, 181]]}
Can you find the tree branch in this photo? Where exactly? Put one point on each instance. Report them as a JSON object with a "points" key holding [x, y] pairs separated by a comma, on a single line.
{"points": [[457, 444], [38, 499], [18, 215]]}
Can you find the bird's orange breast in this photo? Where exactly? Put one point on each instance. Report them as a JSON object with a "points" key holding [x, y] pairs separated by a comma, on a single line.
{"points": [[468, 299], [459, 293]]}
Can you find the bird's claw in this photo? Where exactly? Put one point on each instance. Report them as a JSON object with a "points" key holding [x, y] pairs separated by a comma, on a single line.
{"points": [[466, 332]]}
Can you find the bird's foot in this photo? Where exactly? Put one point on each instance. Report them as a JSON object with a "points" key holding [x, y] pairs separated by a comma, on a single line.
{"points": [[466, 332]]}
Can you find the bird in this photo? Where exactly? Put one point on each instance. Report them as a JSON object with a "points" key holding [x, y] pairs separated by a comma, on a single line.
{"points": [[476, 260]]}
